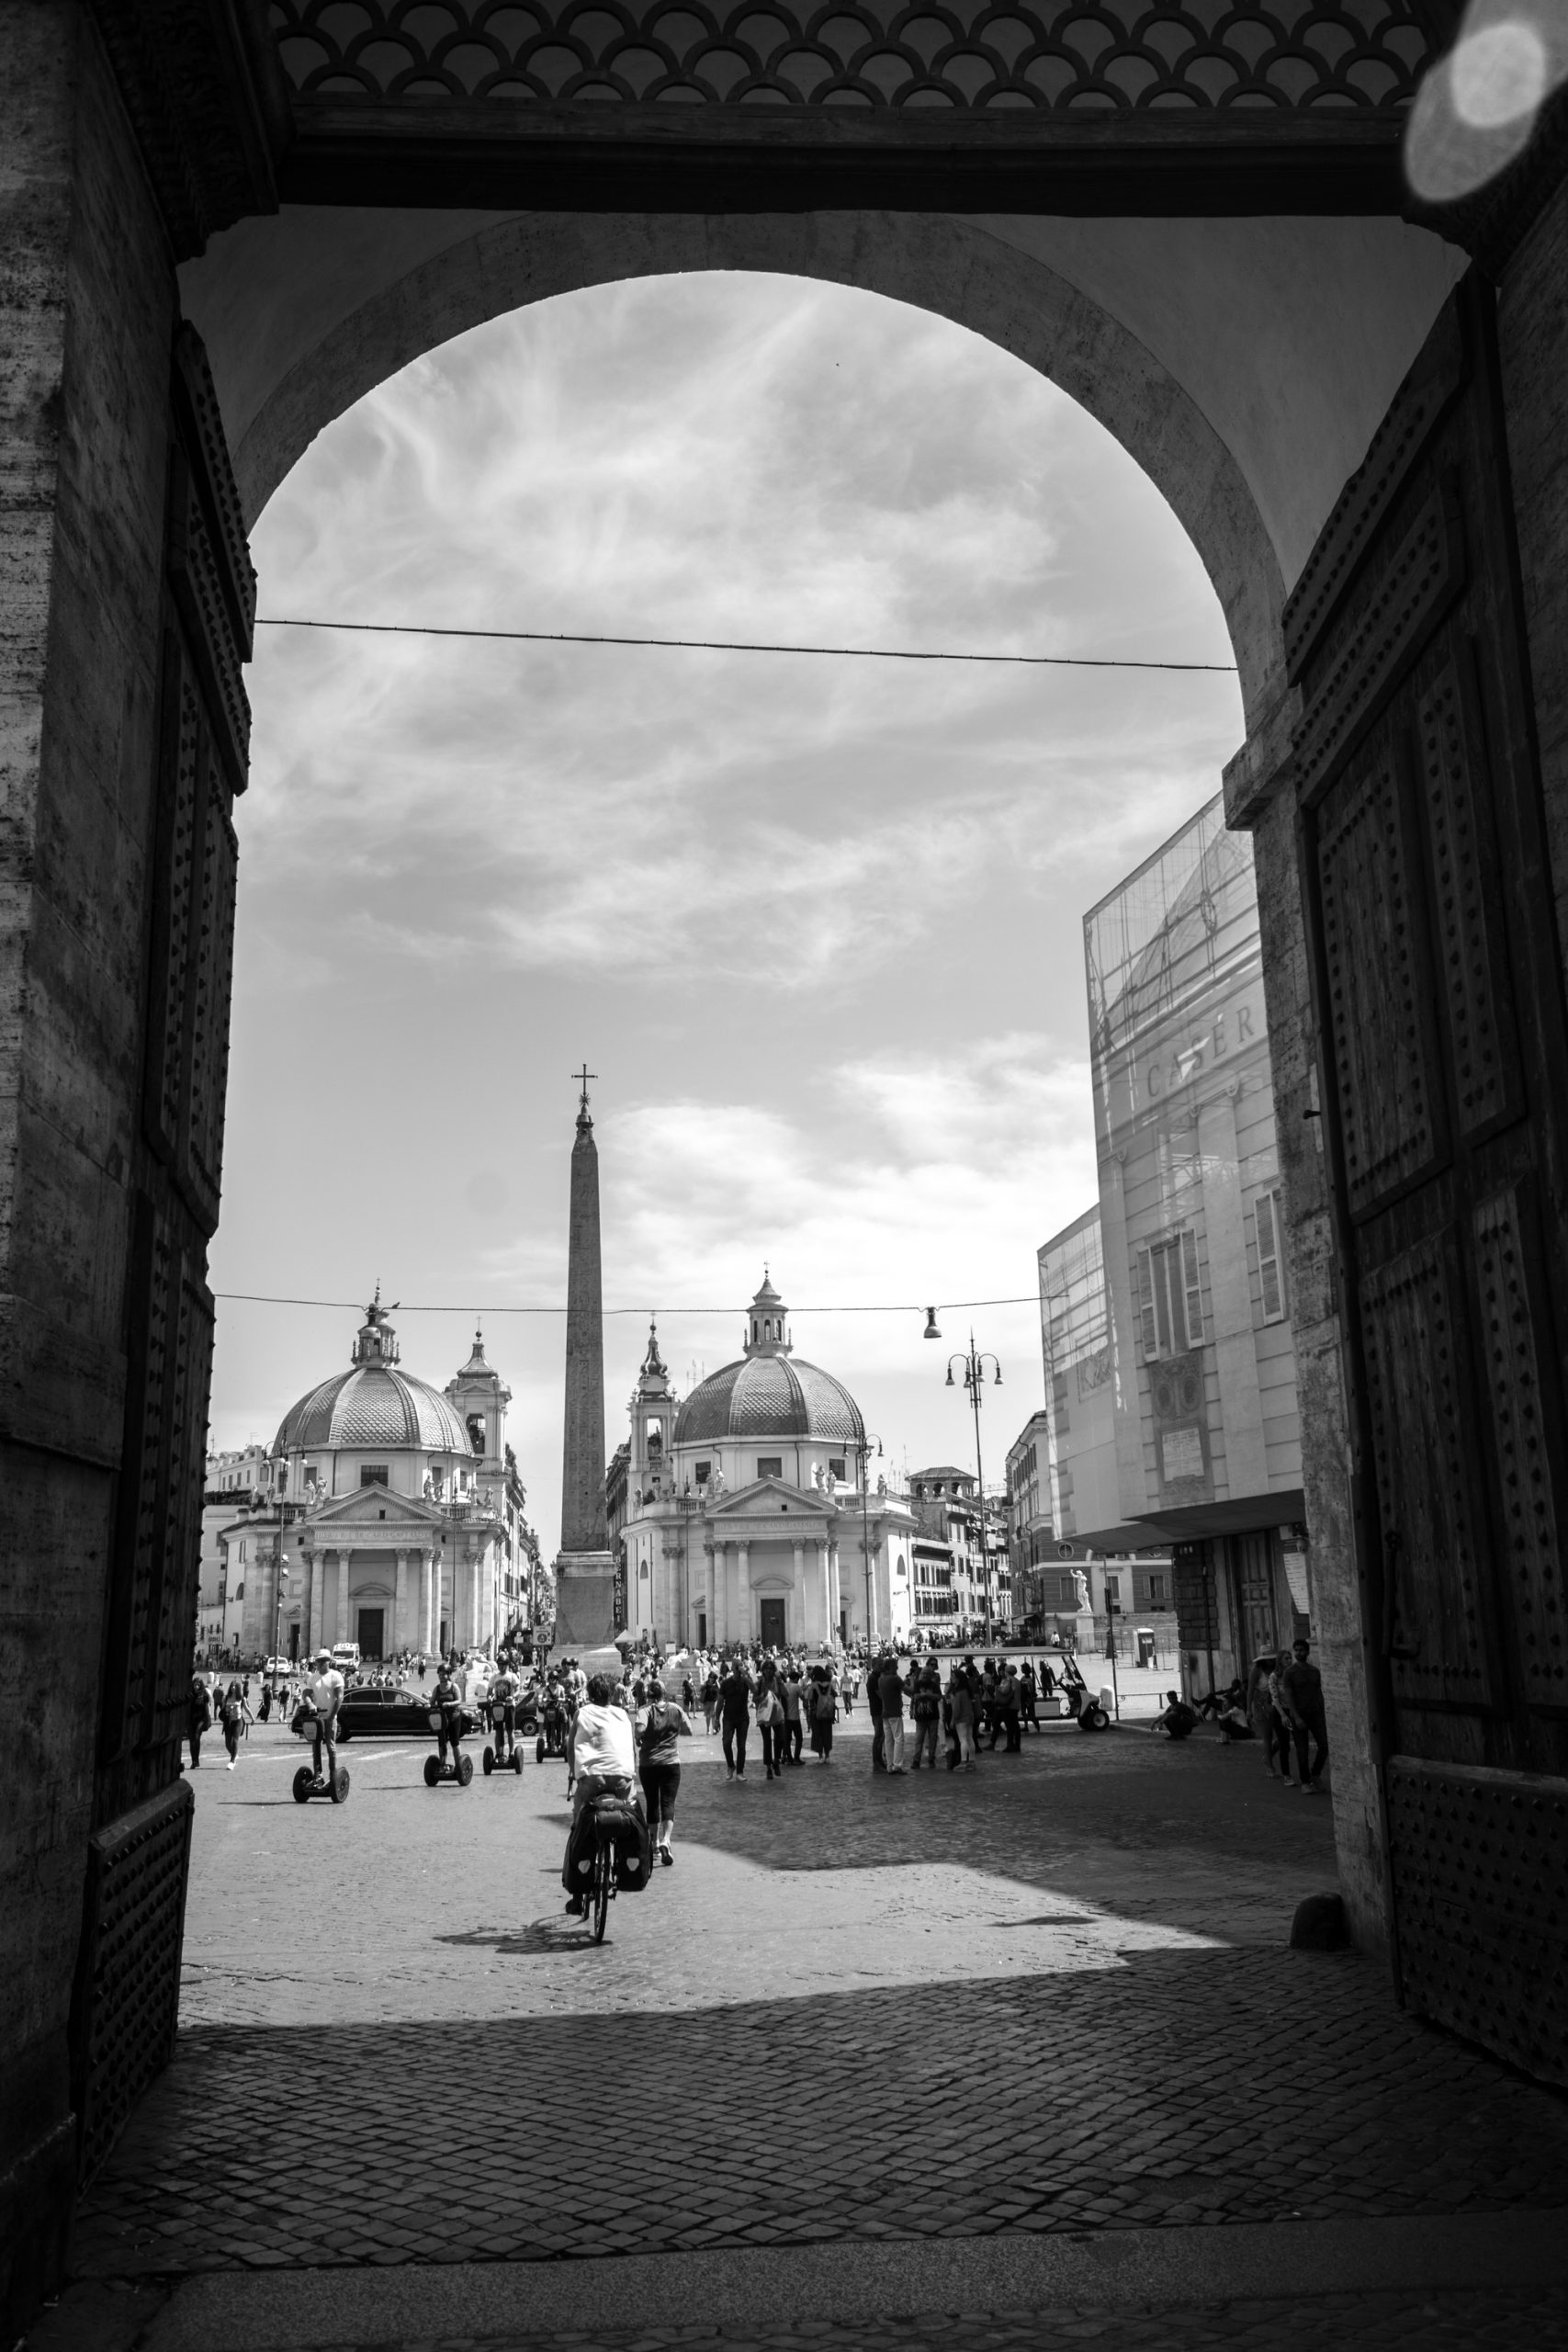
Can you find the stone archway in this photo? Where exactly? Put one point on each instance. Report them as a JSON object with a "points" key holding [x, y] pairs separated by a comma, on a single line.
{"points": [[1244, 352], [1205, 364]]}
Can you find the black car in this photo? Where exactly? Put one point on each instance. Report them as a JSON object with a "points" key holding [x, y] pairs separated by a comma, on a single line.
{"points": [[369, 1710]]}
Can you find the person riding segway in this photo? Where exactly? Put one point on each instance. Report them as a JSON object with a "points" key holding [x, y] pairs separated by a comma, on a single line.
{"points": [[319, 1713], [504, 1722], [446, 1723]]}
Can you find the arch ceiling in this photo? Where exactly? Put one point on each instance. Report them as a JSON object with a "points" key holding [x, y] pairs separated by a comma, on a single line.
{"points": [[1186, 211]]}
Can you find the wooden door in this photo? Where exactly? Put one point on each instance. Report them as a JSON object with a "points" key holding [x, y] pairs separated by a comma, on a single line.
{"points": [[771, 1613], [369, 1634], [127, 1991], [1440, 998], [1253, 1558]]}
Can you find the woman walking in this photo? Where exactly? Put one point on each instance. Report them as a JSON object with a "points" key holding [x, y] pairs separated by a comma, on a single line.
{"points": [[236, 1715], [824, 1712], [768, 1708], [1267, 1707], [658, 1766]]}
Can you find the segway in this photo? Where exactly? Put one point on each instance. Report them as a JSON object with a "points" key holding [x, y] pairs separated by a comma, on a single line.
{"points": [[435, 1771], [551, 1740], [308, 1782], [495, 1761]]}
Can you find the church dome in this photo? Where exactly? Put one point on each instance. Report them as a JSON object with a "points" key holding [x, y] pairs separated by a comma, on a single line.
{"points": [[767, 1395], [374, 1404]]}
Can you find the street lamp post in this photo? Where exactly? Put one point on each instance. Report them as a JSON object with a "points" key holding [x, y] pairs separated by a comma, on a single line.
{"points": [[868, 1438], [974, 1366]]}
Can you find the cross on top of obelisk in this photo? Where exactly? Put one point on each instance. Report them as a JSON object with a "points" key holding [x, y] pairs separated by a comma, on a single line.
{"points": [[582, 1076]]}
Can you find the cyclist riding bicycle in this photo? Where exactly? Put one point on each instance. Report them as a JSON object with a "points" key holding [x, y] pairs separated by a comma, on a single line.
{"points": [[602, 1760], [503, 1711], [448, 1699]]}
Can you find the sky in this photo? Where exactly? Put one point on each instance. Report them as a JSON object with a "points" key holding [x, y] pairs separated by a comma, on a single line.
{"points": [[816, 924]]}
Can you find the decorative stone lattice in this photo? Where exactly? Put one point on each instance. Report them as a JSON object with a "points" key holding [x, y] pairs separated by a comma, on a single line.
{"points": [[1088, 55]]}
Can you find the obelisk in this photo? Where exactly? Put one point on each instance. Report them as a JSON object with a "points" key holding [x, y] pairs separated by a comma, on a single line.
{"points": [[586, 1567]]}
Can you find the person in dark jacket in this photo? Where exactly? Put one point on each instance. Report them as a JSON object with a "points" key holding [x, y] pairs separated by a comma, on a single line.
{"points": [[198, 1718], [890, 1690], [735, 1715], [873, 1701]]}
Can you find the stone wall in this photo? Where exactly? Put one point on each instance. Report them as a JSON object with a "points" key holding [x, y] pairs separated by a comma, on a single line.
{"points": [[86, 313], [1260, 797]]}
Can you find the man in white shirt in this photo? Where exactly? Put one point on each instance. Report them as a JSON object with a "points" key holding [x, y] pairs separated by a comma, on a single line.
{"points": [[325, 1695], [601, 1755]]}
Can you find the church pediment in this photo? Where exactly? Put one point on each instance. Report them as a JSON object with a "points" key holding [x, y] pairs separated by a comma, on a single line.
{"points": [[381, 1506], [767, 1495]]}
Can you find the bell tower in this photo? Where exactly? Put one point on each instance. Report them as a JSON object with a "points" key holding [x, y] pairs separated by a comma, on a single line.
{"points": [[767, 1332], [480, 1398], [653, 1416]]}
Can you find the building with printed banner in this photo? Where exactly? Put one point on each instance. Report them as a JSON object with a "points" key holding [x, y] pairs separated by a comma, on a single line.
{"points": [[1170, 1366]]}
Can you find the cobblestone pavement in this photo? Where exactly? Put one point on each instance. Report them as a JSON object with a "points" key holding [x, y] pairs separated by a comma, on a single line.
{"points": [[409, 1902], [1055, 1998], [1508, 2318], [1178, 2090]]}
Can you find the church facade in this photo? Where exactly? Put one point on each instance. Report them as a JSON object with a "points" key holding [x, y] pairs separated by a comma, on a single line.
{"points": [[746, 1512], [394, 1517]]}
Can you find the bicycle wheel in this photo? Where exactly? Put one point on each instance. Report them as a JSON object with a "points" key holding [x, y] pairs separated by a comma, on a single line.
{"points": [[604, 1870]]}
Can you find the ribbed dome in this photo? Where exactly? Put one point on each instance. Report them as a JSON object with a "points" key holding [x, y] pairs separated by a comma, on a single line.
{"points": [[769, 1396], [374, 1404]]}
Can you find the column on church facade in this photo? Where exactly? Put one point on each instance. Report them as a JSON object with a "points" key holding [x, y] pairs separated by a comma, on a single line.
{"points": [[800, 1629], [426, 1601], [307, 1585], [401, 1612], [822, 1594], [835, 1601], [344, 1557], [743, 1591], [718, 1630]]}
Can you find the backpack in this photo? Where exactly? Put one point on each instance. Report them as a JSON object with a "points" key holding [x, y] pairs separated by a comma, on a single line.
{"points": [[634, 1847]]}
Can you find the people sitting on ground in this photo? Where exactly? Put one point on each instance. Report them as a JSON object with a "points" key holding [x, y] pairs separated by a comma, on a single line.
{"points": [[1235, 1724], [1213, 1705], [1176, 1718]]}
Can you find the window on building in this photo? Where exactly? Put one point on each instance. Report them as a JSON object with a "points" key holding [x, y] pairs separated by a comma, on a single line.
{"points": [[1156, 1588], [836, 1467], [703, 1473], [770, 1466], [1266, 1216], [373, 1474], [1113, 1590], [1170, 1304]]}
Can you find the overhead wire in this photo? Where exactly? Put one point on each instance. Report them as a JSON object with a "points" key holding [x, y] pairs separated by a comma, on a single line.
{"points": [[741, 645], [468, 1306]]}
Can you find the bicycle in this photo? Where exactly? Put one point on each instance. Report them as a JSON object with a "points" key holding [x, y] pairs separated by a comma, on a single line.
{"points": [[602, 1887]]}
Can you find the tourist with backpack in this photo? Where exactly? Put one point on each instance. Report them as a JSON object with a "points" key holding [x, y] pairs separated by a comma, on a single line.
{"points": [[658, 1766]]}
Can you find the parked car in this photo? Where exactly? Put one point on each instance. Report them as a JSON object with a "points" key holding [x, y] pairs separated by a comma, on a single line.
{"points": [[369, 1709]]}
